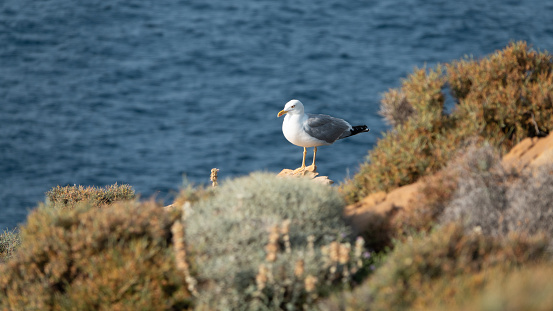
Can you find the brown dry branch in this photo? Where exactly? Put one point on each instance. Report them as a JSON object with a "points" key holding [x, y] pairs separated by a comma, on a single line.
{"points": [[180, 256]]}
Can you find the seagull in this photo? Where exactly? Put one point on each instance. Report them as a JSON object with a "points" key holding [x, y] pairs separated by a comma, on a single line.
{"points": [[313, 130]]}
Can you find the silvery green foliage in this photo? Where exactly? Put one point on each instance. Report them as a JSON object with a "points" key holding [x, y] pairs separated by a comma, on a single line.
{"points": [[227, 235], [479, 200], [531, 202], [497, 200]]}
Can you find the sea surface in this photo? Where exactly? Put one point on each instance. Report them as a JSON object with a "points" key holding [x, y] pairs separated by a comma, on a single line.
{"points": [[154, 93]]}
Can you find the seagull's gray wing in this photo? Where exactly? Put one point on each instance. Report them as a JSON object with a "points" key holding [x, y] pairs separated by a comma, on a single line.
{"points": [[325, 127]]}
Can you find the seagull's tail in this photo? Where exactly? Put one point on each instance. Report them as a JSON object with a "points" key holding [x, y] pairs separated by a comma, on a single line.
{"points": [[355, 130]]}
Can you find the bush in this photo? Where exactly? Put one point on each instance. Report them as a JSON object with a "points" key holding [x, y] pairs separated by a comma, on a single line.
{"points": [[501, 99], [69, 196], [499, 201], [440, 268], [527, 289], [9, 242], [115, 258], [508, 95], [269, 243], [479, 200], [530, 198]]}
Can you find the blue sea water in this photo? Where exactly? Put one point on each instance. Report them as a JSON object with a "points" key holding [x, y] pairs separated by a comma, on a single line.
{"points": [[146, 91]]}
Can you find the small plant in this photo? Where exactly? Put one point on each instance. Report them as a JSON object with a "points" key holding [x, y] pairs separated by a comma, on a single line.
{"points": [[118, 257], [70, 196], [9, 242], [269, 243]]}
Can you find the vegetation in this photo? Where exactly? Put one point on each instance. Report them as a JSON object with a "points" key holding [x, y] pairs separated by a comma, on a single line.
{"points": [[477, 237], [263, 242], [191, 194], [522, 289], [500, 99], [438, 191], [115, 258], [497, 200], [440, 269], [9, 242], [69, 196]]}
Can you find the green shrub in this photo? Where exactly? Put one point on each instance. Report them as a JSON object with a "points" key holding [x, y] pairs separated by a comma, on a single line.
{"points": [[69, 196], [440, 268], [526, 289], [269, 243], [500, 99], [115, 258], [9, 242], [406, 277], [508, 95]]}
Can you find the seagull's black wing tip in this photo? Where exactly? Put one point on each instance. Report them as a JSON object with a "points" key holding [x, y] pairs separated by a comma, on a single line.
{"points": [[359, 129]]}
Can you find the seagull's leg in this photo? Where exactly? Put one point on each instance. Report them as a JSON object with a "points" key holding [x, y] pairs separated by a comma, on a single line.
{"points": [[302, 168], [312, 167], [303, 161]]}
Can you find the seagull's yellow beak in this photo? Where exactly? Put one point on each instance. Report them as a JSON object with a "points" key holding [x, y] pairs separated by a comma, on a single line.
{"points": [[282, 112]]}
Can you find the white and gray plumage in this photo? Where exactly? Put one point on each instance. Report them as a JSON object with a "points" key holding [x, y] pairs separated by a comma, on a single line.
{"points": [[313, 130]]}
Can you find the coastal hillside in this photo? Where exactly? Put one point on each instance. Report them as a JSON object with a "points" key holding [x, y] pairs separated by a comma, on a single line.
{"points": [[451, 211]]}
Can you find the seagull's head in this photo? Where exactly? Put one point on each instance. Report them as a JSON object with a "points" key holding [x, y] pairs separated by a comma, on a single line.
{"points": [[292, 107]]}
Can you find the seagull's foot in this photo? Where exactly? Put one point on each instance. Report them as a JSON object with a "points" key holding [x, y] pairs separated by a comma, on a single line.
{"points": [[311, 168], [300, 169]]}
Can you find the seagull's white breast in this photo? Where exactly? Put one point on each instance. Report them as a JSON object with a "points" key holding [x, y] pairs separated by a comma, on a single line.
{"points": [[292, 128]]}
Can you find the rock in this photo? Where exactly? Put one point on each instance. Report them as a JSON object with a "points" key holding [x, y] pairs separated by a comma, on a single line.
{"points": [[309, 172], [530, 152], [382, 202], [380, 208]]}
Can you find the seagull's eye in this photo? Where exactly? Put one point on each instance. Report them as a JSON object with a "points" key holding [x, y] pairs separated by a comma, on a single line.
{"points": [[293, 106]]}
